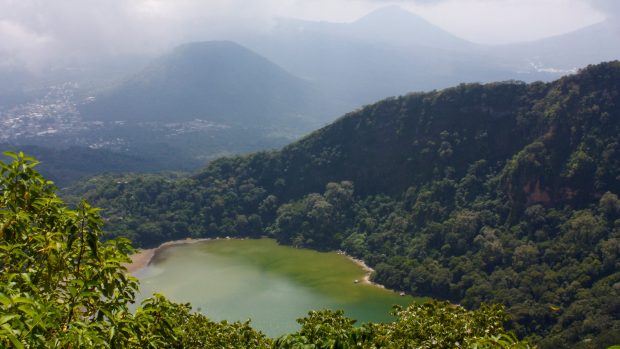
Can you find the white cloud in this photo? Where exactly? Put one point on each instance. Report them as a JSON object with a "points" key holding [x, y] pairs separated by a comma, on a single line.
{"points": [[506, 21], [22, 46], [611, 8], [40, 31]]}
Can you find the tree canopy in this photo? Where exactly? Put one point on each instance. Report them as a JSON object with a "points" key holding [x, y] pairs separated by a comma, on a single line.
{"points": [[502, 193], [61, 287]]}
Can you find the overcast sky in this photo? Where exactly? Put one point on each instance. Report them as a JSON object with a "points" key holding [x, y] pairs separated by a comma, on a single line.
{"points": [[39, 31]]}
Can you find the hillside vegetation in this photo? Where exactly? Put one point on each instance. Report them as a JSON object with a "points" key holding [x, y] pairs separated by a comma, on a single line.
{"points": [[61, 287], [502, 193], [84, 162]]}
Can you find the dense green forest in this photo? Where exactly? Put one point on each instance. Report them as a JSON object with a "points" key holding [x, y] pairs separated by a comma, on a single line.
{"points": [[61, 287], [502, 193]]}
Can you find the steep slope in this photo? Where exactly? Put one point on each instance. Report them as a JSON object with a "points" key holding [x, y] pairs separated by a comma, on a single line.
{"points": [[216, 81], [504, 193]]}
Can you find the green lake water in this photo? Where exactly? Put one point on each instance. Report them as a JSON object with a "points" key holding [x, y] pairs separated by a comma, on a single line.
{"points": [[260, 280]]}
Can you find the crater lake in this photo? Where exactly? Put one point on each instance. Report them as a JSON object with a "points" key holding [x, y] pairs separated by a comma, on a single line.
{"points": [[270, 284]]}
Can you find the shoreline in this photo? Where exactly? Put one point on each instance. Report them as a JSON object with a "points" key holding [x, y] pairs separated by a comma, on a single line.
{"points": [[143, 257], [367, 270]]}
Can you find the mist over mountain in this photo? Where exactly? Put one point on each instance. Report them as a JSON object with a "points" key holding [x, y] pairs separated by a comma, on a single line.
{"points": [[14, 87], [325, 69], [498, 184], [389, 25], [211, 98], [217, 81], [387, 52]]}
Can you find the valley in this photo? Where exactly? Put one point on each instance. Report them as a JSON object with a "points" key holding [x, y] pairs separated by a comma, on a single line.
{"points": [[201, 100], [380, 181]]}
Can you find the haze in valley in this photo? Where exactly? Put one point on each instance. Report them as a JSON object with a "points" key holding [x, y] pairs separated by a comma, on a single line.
{"points": [[174, 84]]}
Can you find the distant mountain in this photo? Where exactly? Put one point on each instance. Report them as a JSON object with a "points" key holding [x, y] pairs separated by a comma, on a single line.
{"points": [[561, 53], [304, 75], [393, 25], [388, 52], [391, 51], [389, 25], [217, 81]]}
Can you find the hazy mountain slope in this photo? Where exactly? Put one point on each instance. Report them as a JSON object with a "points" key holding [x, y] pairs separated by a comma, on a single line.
{"points": [[64, 169], [217, 81], [359, 72], [503, 193], [391, 51], [14, 87], [404, 29], [592, 44], [242, 102], [388, 52], [389, 25]]}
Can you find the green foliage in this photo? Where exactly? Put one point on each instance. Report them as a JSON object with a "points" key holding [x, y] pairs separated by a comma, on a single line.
{"points": [[321, 329], [61, 287], [430, 325], [84, 162], [185, 329], [500, 193], [443, 325], [316, 220]]}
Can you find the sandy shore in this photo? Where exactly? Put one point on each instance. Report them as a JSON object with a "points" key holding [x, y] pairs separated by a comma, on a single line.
{"points": [[368, 270], [143, 258], [140, 259]]}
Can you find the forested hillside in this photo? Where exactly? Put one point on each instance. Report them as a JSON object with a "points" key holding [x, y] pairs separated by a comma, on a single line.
{"points": [[61, 287], [502, 193]]}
